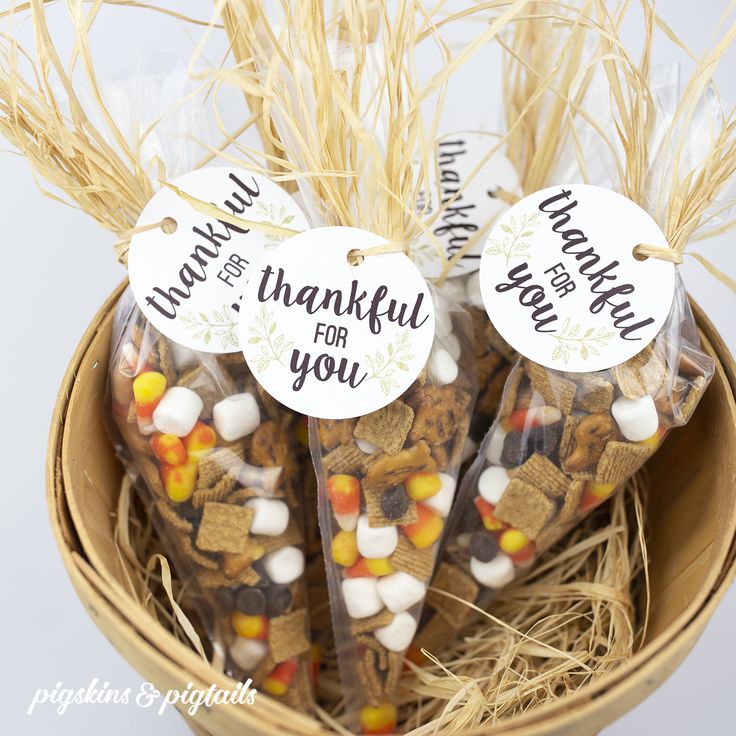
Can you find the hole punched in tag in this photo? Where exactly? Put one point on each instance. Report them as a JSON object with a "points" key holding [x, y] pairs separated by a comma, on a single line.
{"points": [[644, 251], [356, 256], [169, 225]]}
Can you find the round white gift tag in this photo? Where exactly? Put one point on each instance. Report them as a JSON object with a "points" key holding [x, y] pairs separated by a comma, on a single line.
{"points": [[561, 283], [188, 282], [473, 210], [331, 339]]}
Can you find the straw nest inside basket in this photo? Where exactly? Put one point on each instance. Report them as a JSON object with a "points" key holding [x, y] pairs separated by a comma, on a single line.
{"points": [[578, 614]]}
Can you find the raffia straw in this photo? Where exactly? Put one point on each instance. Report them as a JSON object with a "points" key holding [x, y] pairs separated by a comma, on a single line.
{"points": [[323, 116], [574, 618], [683, 198], [74, 162]]}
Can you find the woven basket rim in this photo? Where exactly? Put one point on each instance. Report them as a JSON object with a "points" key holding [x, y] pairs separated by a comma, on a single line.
{"points": [[110, 599]]}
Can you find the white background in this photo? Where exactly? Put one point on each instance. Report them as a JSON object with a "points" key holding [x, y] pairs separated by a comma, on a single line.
{"points": [[58, 268]]}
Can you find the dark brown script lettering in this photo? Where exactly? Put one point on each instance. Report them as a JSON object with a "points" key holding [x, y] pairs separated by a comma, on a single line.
{"points": [[323, 368], [356, 303], [455, 220], [588, 262], [530, 295], [195, 271]]}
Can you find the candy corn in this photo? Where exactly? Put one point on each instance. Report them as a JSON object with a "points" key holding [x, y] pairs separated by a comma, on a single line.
{"points": [[180, 480], [368, 568], [169, 449], [249, 627], [279, 679], [486, 510], [149, 387], [345, 548], [201, 440], [513, 540], [380, 719], [427, 530], [534, 416], [422, 485], [344, 494]]}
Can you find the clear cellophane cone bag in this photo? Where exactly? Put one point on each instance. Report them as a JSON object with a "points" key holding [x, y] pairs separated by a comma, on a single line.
{"points": [[215, 455], [386, 483]]}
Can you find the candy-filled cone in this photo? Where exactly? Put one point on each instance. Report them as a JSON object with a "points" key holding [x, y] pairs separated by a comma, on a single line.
{"points": [[386, 484], [215, 454], [562, 444]]}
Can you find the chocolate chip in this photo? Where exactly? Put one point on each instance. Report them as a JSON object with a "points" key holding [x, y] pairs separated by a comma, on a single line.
{"points": [[483, 547], [544, 439], [225, 598], [394, 503], [516, 449], [251, 601], [278, 599]]}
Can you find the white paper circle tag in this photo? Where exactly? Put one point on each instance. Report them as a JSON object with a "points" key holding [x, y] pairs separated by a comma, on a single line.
{"points": [[474, 209], [188, 282], [561, 284], [330, 339]]}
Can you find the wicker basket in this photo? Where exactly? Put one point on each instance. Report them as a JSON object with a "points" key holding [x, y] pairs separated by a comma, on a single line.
{"points": [[692, 552]]}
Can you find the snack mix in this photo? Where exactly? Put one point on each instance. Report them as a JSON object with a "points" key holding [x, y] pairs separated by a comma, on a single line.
{"points": [[216, 455], [561, 445], [386, 482]]}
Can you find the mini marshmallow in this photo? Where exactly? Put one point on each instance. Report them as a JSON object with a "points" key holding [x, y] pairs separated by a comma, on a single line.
{"points": [[376, 542], [361, 597], [397, 636], [284, 565], [400, 591], [441, 502], [636, 418], [492, 483], [494, 574], [236, 416], [178, 411], [265, 478], [473, 289], [367, 447], [441, 367], [494, 448], [183, 356], [270, 517], [248, 653]]}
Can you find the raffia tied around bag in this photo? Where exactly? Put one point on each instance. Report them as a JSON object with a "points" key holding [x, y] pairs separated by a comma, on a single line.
{"points": [[90, 166]]}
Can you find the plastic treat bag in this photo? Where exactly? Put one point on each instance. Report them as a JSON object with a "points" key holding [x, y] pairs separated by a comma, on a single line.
{"points": [[386, 483], [360, 155], [565, 441], [562, 444], [216, 454], [193, 426]]}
